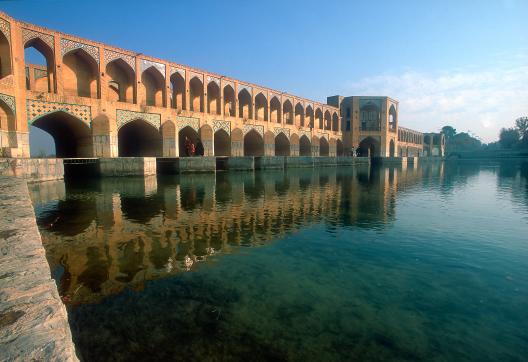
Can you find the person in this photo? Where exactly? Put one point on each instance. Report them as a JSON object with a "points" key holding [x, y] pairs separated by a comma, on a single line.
{"points": [[199, 148], [187, 145]]}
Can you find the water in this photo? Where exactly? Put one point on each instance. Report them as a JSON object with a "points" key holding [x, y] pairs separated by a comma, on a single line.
{"points": [[426, 263]]}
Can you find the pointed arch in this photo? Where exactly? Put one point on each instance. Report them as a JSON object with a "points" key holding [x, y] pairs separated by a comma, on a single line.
{"points": [[261, 107], [186, 135], [178, 91], [213, 98], [393, 118], [327, 120], [196, 94], [391, 148], [369, 147], [7, 125], [340, 150], [305, 146], [324, 147], [335, 122], [80, 74], [253, 144], [154, 84], [45, 82], [222, 143], [319, 118], [229, 101], [275, 110], [139, 138], [309, 116], [299, 114], [121, 81], [287, 112], [5, 56], [245, 104], [282, 145]]}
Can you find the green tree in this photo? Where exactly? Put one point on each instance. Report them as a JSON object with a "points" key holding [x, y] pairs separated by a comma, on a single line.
{"points": [[521, 124], [449, 132], [508, 137]]}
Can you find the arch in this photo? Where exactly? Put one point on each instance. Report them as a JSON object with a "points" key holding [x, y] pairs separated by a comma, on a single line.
{"points": [[282, 145], [305, 146], [229, 101], [370, 117], [178, 91], [213, 98], [315, 146], [299, 114], [139, 138], [245, 104], [196, 95], [294, 144], [324, 147], [335, 122], [287, 112], [80, 74], [275, 110], [72, 137], [340, 150], [46, 80], [154, 84], [222, 143], [391, 148], [190, 134], [237, 142], [319, 118], [5, 56], [122, 74], [309, 116], [7, 124], [168, 134], [393, 118], [269, 143], [206, 137], [253, 144], [327, 120], [369, 147], [261, 107]]}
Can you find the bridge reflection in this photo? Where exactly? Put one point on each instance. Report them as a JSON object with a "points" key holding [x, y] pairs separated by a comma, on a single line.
{"points": [[109, 234]]}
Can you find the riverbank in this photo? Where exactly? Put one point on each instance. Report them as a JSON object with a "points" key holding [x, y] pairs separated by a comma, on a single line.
{"points": [[33, 320]]}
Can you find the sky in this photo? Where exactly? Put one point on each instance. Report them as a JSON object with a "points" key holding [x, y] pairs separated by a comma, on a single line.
{"points": [[460, 63]]}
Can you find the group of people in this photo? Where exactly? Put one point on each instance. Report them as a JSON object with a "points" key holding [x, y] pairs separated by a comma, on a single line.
{"points": [[193, 150]]}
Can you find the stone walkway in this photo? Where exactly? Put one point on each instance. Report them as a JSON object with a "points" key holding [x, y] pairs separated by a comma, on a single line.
{"points": [[33, 319]]}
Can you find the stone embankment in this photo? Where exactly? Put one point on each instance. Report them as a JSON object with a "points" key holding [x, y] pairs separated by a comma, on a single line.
{"points": [[33, 320]]}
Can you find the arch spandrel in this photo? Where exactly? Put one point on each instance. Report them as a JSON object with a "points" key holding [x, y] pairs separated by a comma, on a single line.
{"points": [[28, 35], [123, 117], [68, 45], [37, 109]]}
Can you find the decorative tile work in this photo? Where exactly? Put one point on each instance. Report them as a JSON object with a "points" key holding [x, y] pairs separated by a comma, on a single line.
{"points": [[308, 104], [307, 134], [197, 75], [325, 135], [10, 101], [110, 55], [260, 91], [246, 87], [145, 64], [7, 80], [248, 127], [37, 109], [177, 70], [226, 83], [40, 73], [124, 116], [183, 122], [69, 45], [225, 125], [213, 79], [278, 130], [28, 35], [287, 99], [275, 95], [5, 28]]}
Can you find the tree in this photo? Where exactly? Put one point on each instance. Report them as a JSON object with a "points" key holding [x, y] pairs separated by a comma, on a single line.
{"points": [[521, 124], [449, 132], [508, 137]]}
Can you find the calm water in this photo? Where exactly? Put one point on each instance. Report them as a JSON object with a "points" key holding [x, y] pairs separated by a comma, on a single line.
{"points": [[427, 263]]}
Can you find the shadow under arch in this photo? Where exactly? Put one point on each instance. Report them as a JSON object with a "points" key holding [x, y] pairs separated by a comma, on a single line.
{"points": [[139, 138], [72, 137], [324, 147], [369, 147], [191, 134], [305, 146], [222, 143], [253, 144]]}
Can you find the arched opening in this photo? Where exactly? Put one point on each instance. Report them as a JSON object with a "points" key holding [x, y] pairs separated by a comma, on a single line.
{"points": [[370, 117], [5, 56], [299, 115], [253, 144], [154, 83], [392, 118], [213, 98], [178, 91], [305, 146], [237, 142], [324, 147], [196, 90], [71, 136], [391, 148], [287, 112], [121, 81], [139, 139], [261, 107], [309, 117], [275, 110], [38, 57], [229, 101], [7, 124], [327, 120], [80, 74], [340, 150], [222, 143], [369, 147], [319, 118], [186, 137], [244, 104], [294, 144], [335, 122], [282, 145]]}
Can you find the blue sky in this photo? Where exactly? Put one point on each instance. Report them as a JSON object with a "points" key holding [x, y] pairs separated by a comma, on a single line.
{"points": [[463, 63]]}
